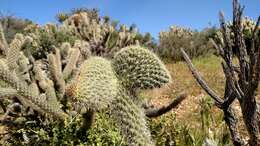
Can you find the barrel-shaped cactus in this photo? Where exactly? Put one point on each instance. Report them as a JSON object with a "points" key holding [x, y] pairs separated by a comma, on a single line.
{"points": [[139, 68], [97, 83], [136, 68]]}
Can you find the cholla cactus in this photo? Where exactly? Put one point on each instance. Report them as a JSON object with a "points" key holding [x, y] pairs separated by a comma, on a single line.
{"points": [[3, 42], [15, 70], [248, 25], [176, 31], [104, 39], [173, 39]]}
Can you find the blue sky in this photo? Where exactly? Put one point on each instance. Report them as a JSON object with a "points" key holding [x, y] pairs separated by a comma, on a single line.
{"points": [[149, 15]]}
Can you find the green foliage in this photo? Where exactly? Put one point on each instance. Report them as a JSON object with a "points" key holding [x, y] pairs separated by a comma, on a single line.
{"points": [[138, 67], [167, 130], [48, 132], [104, 131]]}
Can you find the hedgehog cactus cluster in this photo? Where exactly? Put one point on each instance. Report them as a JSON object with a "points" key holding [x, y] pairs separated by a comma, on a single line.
{"points": [[71, 78], [115, 83]]}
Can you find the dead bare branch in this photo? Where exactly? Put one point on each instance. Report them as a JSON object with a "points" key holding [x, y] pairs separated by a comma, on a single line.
{"points": [[199, 79], [155, 112]]}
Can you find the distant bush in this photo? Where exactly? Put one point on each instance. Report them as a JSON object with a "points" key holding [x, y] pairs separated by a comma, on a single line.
{"points": [[12, 25], [196, 43]]}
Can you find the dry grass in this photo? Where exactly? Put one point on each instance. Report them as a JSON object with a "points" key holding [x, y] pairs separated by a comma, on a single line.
{"points": [[188, 112], [182, 79]]}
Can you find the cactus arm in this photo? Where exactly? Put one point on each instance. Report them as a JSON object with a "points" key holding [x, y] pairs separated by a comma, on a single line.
{"points": [[46, 85], [34, 88], [56, 73], [23, 89], [139, 68], [71, 64], [14, 52], [7, 92], [3, 42], [131, 120]]}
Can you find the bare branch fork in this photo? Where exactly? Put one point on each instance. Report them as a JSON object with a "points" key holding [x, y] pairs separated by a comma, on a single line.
{"points": [[241, 81], [224, 105]]}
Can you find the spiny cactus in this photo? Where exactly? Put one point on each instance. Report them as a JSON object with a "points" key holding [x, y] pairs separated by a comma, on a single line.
{"points": [[103, 38], [131, 119], [140, 68], [97, 83], [103, 83], [23, 89], [54, 77], [3, 42], [136, 68], [39, 83]]}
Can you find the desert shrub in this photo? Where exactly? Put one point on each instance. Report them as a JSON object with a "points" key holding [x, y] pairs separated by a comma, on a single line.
{"points": [[196, 43], [45, 39]]}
